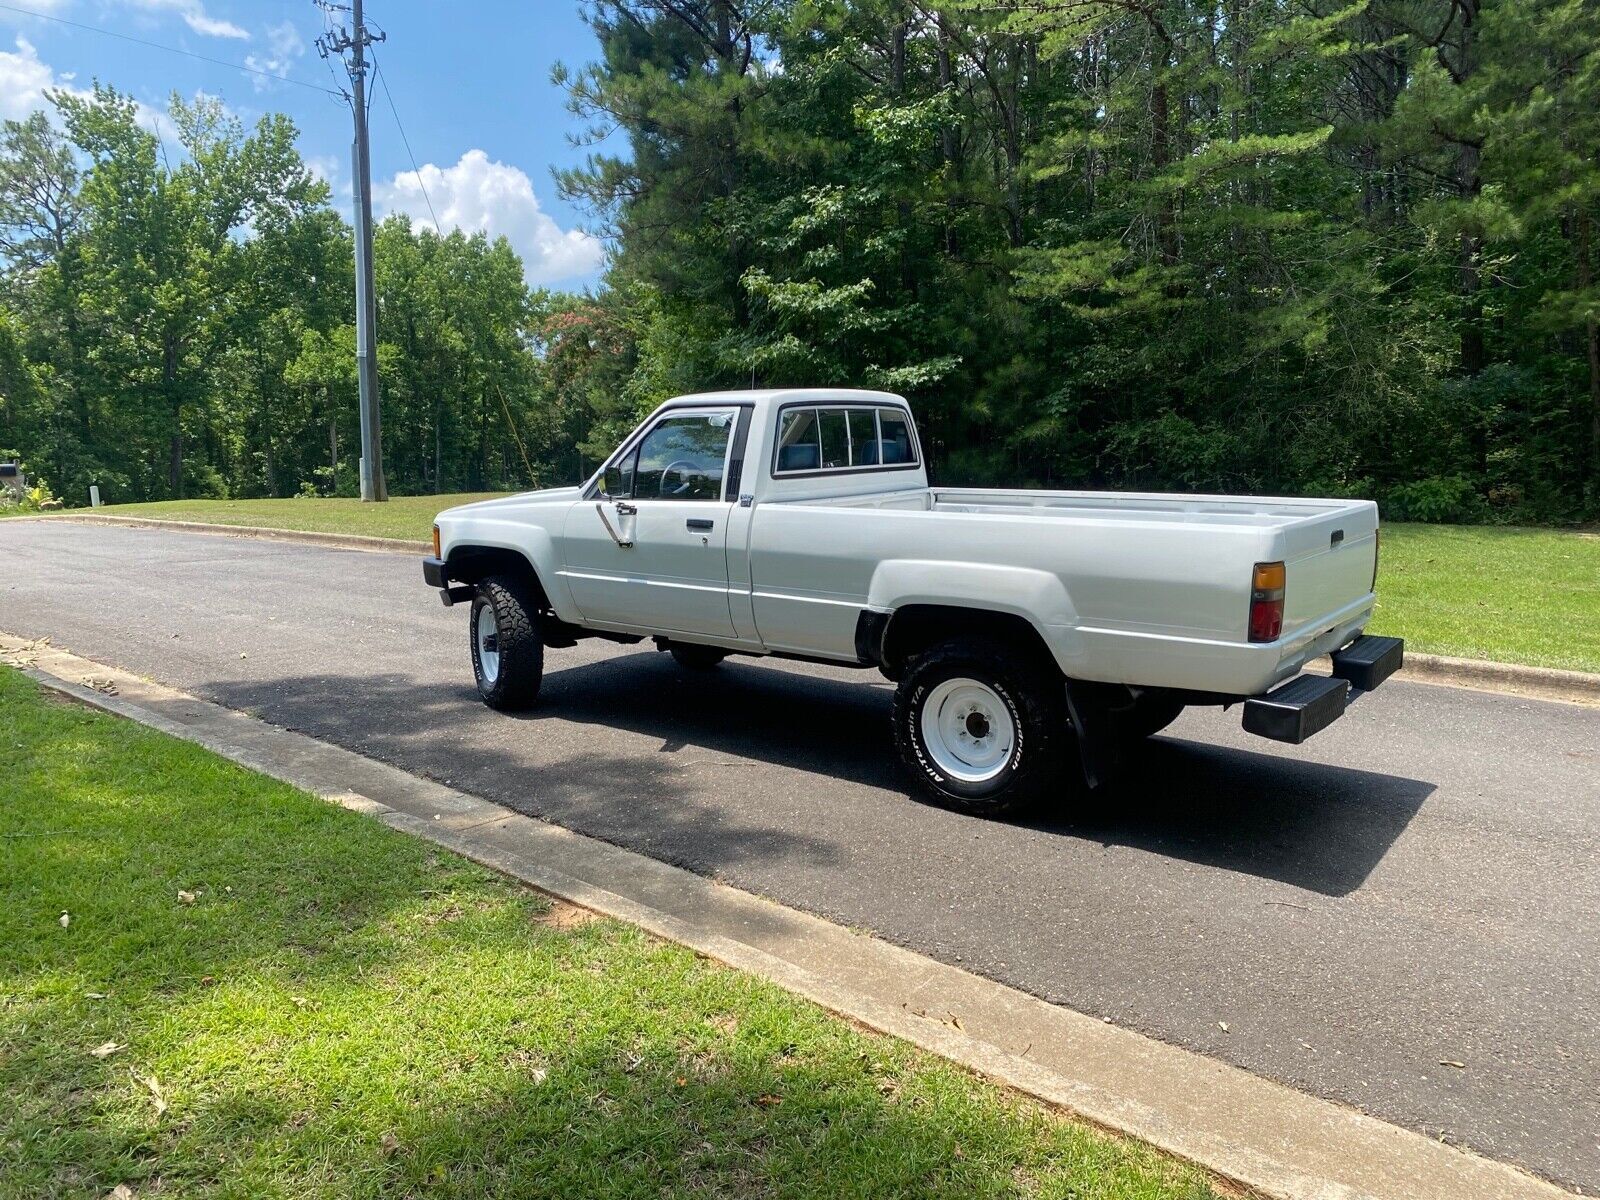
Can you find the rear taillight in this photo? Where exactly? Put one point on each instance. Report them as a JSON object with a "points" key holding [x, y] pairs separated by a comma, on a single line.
{"points": [[1266, 602], [436, 541]]}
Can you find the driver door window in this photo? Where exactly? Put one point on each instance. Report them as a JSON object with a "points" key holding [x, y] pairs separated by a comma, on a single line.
{"points": [[650, 549], [682, 458]]}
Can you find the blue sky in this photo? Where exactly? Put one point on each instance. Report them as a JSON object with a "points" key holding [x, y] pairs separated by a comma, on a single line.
{"points": [[471, 83]]}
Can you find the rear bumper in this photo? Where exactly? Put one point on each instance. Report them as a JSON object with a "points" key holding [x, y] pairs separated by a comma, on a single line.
{"points": [[1308, 704]]}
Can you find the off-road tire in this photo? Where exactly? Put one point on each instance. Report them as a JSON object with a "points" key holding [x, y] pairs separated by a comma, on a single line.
{"points": [[1033, 697], [695, 657], [516, 619]]}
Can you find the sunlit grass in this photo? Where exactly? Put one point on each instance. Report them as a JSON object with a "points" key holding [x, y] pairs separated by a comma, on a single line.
{"points": [[328, 1008], [1515, 595], [408, 517]]}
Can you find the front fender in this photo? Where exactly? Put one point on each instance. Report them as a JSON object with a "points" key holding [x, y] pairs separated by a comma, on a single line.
{"points": [[533, 542]]}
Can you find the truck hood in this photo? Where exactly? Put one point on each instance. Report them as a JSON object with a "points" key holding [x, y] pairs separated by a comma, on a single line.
{"points": [[488, 507]]}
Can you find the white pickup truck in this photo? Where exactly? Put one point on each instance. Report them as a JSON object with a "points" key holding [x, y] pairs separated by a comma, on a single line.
{"points": [[1032, 634]]}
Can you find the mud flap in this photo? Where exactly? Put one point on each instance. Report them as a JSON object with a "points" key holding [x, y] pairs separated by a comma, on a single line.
{"points": [[1099, 748]]}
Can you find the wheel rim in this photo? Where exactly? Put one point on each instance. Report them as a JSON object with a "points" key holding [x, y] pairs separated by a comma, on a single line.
{"points": [[487, 636], [968, 730]]}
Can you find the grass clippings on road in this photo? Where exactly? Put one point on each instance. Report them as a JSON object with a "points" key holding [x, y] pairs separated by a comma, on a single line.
{"points": [[216, 985]]}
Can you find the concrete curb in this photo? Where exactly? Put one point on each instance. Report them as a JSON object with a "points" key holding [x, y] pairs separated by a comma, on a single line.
{"points": [[338, 541], [1538, 683], [1535, 683], [1262, 1135]]}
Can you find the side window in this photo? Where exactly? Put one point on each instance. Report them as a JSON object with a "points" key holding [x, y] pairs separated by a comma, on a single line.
{"points": [[835, 437], [895, 433], [798, 446], [864, 437], [681, 458]]}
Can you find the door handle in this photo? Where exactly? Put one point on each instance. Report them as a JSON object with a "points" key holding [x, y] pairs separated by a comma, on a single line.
{"points": [[700, 524]]}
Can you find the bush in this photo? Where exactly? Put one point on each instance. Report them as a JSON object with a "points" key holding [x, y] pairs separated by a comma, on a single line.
{"points": [[1448, 499]]}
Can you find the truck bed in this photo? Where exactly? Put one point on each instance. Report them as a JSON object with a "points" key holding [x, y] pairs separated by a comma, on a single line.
{"points": [[1146, 592]]}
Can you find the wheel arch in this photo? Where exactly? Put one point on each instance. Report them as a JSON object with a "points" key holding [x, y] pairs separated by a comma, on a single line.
{"points": [[913, 628], [473, 563]]}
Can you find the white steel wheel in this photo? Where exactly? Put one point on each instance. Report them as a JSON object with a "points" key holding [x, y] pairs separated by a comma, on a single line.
{"points": [[968, 730], [488, 635]]}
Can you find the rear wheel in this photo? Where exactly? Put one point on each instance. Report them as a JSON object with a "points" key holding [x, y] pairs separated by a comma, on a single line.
{"points": [[696, 658], [980, 728], [507, 651]]}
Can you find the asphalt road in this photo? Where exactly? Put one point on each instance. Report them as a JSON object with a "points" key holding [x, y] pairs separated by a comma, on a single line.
{"points": [[1417, 887]]}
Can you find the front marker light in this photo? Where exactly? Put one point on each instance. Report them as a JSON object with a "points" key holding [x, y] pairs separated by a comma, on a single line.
{"points": [[436, 553]]}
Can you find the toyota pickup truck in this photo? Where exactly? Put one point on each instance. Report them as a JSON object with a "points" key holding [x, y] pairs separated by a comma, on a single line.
{"points": [[1033, 635]]}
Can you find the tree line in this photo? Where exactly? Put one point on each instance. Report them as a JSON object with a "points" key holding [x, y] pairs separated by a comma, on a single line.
{"points": [[1343, 247], [1328, 246], [177, 320]]}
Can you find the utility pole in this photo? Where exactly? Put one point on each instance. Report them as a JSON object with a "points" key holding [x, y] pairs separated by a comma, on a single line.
{"points": [[339, 41]]}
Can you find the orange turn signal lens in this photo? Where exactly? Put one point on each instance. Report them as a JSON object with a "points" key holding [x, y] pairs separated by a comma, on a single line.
{"points": [[1266, 601], [1269, 577], [436, 541]]}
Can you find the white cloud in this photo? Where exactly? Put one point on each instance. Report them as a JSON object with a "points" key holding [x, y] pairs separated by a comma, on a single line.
{"points": [[23, 80], [478, 194], [284, 45], [195, 16]]}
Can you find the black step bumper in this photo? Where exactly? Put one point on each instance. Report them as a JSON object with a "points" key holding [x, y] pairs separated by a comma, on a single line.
{"points": [[1308, 704]]}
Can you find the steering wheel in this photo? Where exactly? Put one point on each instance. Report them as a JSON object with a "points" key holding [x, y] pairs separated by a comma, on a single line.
{"points": [[682, 466]]}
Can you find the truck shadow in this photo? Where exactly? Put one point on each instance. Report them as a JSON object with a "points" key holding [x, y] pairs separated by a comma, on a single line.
{"points": [[1309, 824], [1315, 826]]}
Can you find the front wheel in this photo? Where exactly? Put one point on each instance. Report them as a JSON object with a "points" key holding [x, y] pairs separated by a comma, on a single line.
{"points": [[507, 651], [980, 728]]}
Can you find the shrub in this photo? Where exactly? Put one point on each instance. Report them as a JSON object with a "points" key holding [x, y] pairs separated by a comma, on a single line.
{"points": [[1448, 499]]}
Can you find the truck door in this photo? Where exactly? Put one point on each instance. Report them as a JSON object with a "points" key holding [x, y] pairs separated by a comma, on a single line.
{"points": [[652, 552]]}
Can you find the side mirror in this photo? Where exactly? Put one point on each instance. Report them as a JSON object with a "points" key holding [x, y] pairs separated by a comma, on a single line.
{"points": [[611, 483]]}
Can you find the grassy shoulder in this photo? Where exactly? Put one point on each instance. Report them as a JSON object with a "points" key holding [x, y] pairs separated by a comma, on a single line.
{"points": [[408, 517], [1527, 596], [258, 994], [1512, 595]]}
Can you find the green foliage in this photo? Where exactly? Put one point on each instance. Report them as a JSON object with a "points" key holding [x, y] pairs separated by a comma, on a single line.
{"points": [[1343, 247], [178, 324], [1337, 247], [1451, 500]]}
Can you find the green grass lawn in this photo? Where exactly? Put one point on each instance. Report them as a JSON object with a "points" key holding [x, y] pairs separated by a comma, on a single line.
{"points": [[409, 517], [1514, 595], [257, 994]]}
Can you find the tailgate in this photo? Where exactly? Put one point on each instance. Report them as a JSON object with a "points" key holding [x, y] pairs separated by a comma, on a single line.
{"points": [[1329, 559]]}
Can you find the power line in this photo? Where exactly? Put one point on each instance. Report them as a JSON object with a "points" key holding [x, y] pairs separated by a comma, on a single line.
{"points": [[415, 170], [128, 37]]}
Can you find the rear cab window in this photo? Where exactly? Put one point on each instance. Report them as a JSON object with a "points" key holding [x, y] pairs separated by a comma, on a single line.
{"points": [[832, 438]]}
